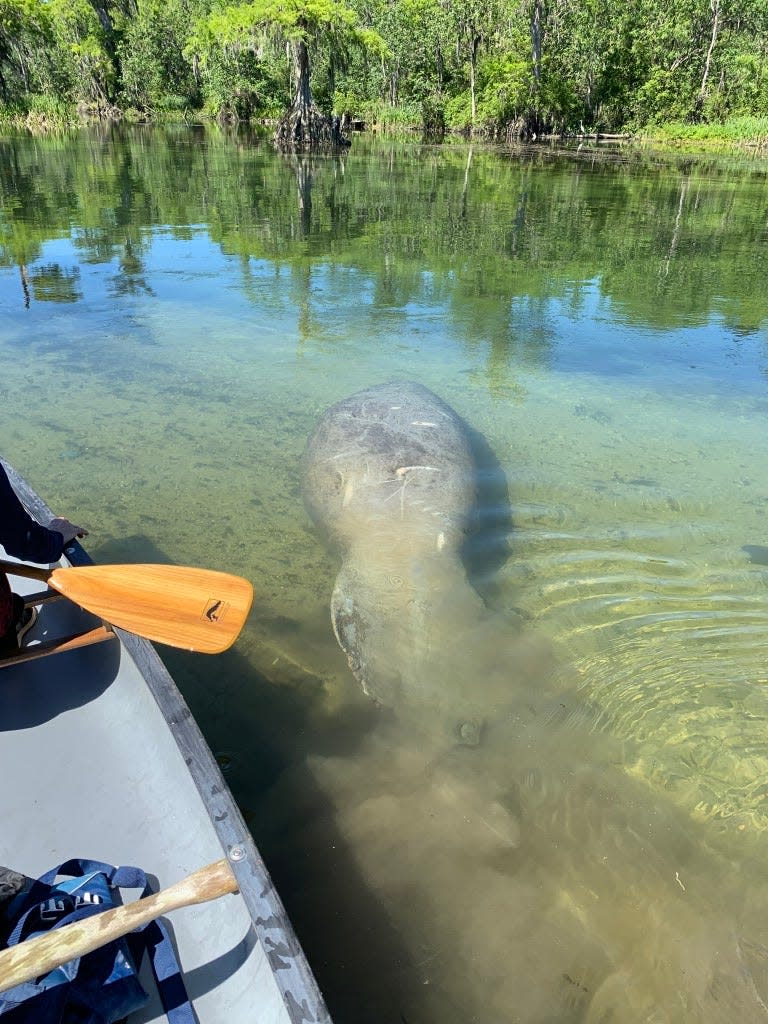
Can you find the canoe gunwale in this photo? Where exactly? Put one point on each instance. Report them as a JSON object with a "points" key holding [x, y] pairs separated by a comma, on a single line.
{"points": [[302, 999]]}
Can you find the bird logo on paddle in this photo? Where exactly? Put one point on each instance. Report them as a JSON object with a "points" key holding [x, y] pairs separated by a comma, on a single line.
{"points": [[215, 609]]}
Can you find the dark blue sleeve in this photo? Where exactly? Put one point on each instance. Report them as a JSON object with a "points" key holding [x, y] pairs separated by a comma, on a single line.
{"points": [[20, 534]]}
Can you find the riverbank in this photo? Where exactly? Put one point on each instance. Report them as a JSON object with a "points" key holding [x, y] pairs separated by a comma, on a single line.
{"points": [[746, 134], [743, 133]]}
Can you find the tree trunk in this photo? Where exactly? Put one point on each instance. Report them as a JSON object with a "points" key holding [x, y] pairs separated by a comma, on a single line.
{"points": [[303, 170], [465, 190], [305, 127], [393, 88], [536, 30], [715, 8], [24, 283], [475, 45], [529, 124], [676, 231], [106, 21], [300, 54], [22, 66]]}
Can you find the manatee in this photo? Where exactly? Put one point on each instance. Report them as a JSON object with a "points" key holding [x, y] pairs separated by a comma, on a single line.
{"points": [[390, 479], [590, 896]]}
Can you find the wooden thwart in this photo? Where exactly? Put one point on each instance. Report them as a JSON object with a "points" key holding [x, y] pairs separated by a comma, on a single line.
{"points": [[37, 956], [69, 643]]}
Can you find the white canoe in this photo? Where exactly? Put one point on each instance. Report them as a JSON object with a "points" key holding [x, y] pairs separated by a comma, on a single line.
{"points": [[100, 758]]}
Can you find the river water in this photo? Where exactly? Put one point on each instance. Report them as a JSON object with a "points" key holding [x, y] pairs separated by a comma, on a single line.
{"points": [[178, 307]]}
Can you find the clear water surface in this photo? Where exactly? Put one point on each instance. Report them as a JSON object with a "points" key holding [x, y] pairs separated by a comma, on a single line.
{"points": [[176, 310]]}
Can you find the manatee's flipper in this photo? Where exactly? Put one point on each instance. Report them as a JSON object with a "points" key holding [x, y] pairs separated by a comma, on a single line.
{"points": [[357, 624], [350, 629]]}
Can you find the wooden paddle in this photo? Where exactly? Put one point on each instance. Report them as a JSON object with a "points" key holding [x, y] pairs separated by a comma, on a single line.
{"points": [[37, 956], [197, 609]]}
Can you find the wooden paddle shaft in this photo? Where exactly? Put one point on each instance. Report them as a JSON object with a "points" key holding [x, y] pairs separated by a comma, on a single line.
{"points": [[31, 572], [37, 956]]}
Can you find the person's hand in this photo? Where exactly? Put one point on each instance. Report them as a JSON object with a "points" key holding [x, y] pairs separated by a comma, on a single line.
{"points": [[68, 530]]}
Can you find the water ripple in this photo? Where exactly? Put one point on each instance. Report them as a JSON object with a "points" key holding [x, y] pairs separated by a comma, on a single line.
{"points": [[670, 649]]}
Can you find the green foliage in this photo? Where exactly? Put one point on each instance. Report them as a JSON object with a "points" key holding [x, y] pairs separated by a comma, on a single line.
{"points": [[745, 128], [600, 65], [458, 112], [50, 110], [349, 102], [505, 85], [432, 119], [25, 42], [236, 84], [418, 41], [86, 71], [155, 74], [234, 45], [380, 115]]}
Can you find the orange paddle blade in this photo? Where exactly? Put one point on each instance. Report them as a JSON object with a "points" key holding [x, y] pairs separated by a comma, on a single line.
{"points": [[196, 609]]}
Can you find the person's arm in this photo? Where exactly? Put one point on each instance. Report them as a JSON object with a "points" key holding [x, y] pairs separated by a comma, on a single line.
{"points": [[23, 537]]}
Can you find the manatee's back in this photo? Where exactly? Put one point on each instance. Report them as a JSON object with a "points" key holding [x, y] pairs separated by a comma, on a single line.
{"points": [[392, 457]]}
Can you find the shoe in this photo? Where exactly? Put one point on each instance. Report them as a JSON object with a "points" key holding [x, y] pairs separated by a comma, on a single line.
{"points": [[25, 623]]}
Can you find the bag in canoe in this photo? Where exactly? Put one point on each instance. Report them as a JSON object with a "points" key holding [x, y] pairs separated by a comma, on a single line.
{"points": [[102, 987]]}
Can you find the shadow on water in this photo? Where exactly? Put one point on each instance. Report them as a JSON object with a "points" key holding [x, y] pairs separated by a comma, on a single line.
{"points": [[487, 547], [757, 553], [264, 731]]}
